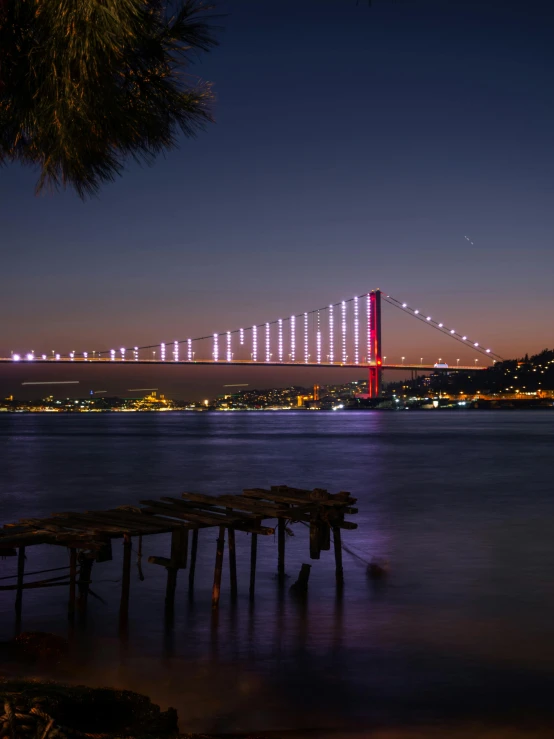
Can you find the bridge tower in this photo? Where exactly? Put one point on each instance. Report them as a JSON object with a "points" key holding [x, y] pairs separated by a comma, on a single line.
{"points": [[375, 371]]}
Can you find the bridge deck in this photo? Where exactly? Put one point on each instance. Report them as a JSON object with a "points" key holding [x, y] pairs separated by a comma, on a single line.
{"points": [[89, 534]]}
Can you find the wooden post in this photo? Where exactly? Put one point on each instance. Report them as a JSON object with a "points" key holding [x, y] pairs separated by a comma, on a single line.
{"points": [[338, 557], [72, 583], [281, 547], [170, 589], [19, 595], [253, 556], [218, 567], [193, 550], [232, 562], [85, 570], [125, 582]]}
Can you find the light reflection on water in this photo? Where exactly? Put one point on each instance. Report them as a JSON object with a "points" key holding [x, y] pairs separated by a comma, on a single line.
{"points": [[459, 503]]}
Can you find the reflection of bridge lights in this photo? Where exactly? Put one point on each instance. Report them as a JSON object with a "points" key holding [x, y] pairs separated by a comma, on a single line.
{"points": [[356, 332], [280, 339], [306, 355], [331, 355], [292, 338], [343, 327]]}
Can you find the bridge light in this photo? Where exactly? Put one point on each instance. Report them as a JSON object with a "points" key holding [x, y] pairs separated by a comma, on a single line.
{"points": [[292, 338], [29, 357], [428, 318], [216, 348], [452, 331], [254, 343], [318, 340], [57, 356], [122, 350], [85, 356], [189, 350], [331, 356], [280, 339], [416, 312], [241, 336], [368, 317], [136, 353], [16, 357], [267, 343], [488, 351], [162, 351], [356, 330], [229, 351], [404, 305], [343, 311], [44, 356], [175, 351], [476, 344], [464, 338], [306, 355], [440, 325]]}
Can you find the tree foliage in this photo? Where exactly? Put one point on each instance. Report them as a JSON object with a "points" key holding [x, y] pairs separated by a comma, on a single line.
{"points": [[86, 84]]}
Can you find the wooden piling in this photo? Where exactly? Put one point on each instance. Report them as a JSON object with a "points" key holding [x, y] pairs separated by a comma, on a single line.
{"points": [[193, 551], [72, 583], [125, 582], [19, 595], [281, 549], [339, 574], [83, 584], [218, 567], [232, 562], [253, 557]]}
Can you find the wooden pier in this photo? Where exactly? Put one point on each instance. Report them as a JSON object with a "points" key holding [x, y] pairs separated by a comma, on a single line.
{"points": [[88, 537]]}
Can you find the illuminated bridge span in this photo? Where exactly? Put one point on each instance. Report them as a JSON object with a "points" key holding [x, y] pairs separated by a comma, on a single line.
{"points": [[344, 334]]}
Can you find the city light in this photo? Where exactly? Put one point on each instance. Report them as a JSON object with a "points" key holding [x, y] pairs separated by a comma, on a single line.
{"points": [[343, 317], [216, 348], [331, 335], [356, 332], [280, 338], [292, 338], [229, 348]]}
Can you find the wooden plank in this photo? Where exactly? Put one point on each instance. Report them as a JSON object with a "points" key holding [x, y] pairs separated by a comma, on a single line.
{"points": [[166, 509], [221, 512], [140, 522], [216, 590]]}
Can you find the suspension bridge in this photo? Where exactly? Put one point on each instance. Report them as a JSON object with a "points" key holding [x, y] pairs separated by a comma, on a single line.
{"points": [[345, 334]]}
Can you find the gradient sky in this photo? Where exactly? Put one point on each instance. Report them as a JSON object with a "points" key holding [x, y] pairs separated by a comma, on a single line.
{"points": [[354, 148]]}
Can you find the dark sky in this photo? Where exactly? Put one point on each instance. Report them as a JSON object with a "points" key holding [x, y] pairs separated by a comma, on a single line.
{"points": [[354, 148]]}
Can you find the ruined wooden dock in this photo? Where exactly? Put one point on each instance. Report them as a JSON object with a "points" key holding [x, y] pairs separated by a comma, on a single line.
{"points": [[88, 537]]}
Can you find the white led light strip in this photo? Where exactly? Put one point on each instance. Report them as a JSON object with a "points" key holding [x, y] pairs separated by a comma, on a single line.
{"points": [[293, 338], [331, 335], [280, 339], [306, 352], [356, 331], [343, 313]]}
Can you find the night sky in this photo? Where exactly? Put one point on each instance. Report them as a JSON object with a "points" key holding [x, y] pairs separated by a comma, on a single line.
{"points": [[354, 147]]}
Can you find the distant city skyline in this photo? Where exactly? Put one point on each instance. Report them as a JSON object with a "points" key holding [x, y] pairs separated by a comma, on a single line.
{"points": [[406, 146]]}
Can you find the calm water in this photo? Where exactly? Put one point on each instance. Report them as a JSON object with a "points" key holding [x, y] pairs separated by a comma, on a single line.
{"points": [[461, 504]]}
